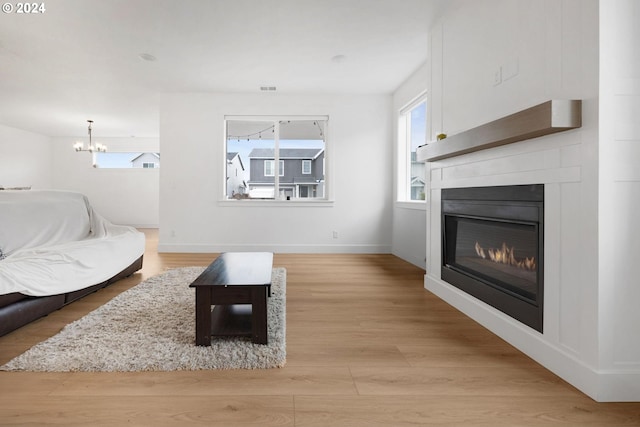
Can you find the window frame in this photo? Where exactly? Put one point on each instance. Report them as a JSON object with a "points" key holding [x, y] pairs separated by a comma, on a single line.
{"points": [[306, 162], [403, 147], [325, 201], [272, 162]]}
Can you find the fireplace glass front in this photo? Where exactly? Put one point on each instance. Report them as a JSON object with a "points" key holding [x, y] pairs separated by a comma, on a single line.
{"points": [[492, 247]]}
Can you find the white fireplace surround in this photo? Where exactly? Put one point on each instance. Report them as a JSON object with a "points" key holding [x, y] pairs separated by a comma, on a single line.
{"points": [[569, 346]]}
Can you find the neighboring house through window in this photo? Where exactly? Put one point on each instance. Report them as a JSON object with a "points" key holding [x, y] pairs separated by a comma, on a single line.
{"points": [[127, 160], [293, 181], [146, 161], [298, 146], [236, 185]]}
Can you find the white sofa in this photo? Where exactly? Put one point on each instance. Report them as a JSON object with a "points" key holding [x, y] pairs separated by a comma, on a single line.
{"points": [[54, 249]]}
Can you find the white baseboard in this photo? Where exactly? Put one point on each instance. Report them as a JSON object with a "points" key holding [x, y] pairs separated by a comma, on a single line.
{"points": [[275, 247], [144, 225], [602, 386]]}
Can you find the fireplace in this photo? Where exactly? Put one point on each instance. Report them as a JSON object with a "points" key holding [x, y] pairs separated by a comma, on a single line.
{"points": [[492, 247]]}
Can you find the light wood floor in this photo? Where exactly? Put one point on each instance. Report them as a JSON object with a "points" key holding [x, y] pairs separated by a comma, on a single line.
{"points": [[366, 346]]}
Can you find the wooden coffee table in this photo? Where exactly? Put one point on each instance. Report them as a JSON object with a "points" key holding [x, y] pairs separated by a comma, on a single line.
{"points": [[237, 284]]}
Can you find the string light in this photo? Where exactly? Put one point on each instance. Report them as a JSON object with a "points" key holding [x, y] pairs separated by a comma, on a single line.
{"points": [[271, 128], [249, 136]]}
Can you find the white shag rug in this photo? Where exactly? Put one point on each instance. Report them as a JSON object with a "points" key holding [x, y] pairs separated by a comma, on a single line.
{"points": [[151, 327]]}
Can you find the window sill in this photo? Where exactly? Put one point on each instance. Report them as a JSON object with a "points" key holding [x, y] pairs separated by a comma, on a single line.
{"points": [[125, 170], [280, 203], [417, 205]]}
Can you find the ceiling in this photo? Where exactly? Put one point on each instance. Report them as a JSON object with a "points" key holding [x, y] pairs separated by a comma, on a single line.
{"points": [[80, 59]]}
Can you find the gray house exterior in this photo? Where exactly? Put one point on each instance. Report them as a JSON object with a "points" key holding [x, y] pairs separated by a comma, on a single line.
{"points": [[301, 173]]}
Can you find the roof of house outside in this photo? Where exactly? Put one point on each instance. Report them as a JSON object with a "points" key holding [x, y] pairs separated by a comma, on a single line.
{"points": [[286, 153], [232, 155], [142, 154]]}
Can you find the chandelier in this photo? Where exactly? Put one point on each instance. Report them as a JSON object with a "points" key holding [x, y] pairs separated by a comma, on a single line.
{"points": [[79, 146]]}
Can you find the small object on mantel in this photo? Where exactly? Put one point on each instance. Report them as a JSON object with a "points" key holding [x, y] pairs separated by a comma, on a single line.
{"points": [[439, 137]]}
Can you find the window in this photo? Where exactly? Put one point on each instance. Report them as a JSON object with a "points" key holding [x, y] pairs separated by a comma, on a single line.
{"points": [[255, 144], [412, 133], [306, 167], [269, 168], [110, 160]]}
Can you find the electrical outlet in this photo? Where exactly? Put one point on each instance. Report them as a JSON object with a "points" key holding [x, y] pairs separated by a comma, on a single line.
{"points": [[497, 76], [335, 234]]}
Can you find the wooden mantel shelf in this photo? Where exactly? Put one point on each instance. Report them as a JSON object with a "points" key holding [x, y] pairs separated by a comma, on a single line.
{"points": [[543, 119]]}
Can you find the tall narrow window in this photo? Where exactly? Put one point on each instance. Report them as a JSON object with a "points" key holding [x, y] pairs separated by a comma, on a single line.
{"points": [[269, 168], [412, 127], [306, 167], [255, 145]]}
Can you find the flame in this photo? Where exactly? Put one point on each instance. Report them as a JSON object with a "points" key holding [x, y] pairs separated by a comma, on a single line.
{"points": [[505, 255]]}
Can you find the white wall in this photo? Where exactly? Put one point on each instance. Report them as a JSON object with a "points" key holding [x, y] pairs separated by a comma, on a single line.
{"points": [[194, 219], [123, 196], [543, 50], [619, 189], [409, 218], [25, 159], [536, 46]]}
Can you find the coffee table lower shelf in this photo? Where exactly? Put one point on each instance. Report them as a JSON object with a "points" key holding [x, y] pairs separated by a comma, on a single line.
{"points": [[231, 320]]}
